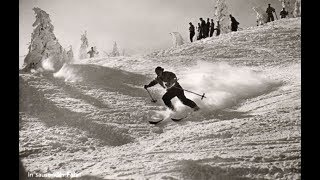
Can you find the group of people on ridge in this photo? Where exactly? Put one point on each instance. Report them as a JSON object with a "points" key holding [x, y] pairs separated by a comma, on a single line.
{"points": [[270, 10], [206, 29]]}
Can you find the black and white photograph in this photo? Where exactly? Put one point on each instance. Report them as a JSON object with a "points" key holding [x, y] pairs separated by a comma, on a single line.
{"points": [[159, 89]]}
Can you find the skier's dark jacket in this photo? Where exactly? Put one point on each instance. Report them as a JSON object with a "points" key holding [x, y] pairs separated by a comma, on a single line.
{"points": [[191, 29], [270, 10], [169, 78], [203, 26], [283, 13]]}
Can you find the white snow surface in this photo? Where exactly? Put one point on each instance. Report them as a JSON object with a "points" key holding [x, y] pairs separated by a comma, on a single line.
{"points": [[91, 117]]}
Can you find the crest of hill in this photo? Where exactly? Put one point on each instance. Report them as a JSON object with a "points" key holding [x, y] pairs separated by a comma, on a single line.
{"points": [[268, 40]]}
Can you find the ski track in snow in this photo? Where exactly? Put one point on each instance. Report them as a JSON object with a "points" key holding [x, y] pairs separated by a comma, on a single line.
{"points": [[91, 117]]}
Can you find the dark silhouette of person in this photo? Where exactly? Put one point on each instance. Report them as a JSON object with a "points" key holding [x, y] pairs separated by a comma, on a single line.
{"points": [[208, 27], [218, 29], [203, 28], [270, 11], [211, 28], [234, 23], [91, 52], [192, 31], [283, 13], [168, 80], [199, 36]]}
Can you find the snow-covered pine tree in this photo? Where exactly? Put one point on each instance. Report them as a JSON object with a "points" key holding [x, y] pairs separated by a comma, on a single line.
{"points": [[44, 44], [289, 6], [221, 14], [115, 51], [297, 9], [176, 39], [84, 46], [261, 16]]}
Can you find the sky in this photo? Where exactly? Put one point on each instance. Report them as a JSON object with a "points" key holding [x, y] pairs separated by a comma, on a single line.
{"points": [[138, 26]]}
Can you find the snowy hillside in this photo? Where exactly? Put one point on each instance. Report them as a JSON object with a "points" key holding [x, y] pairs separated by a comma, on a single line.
{"points": [[90, 118]]}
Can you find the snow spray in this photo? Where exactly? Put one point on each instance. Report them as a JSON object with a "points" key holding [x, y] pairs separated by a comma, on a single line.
{"points": [[68, 73], [223, 84], [48, 64]]}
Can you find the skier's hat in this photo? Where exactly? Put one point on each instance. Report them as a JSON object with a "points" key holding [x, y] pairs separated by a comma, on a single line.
{"points": [[159, 69]]}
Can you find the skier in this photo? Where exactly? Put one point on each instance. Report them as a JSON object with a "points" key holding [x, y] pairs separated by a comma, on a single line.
{"points": [[208, 27], [234, 23], [218, 29], [269, 11], [173, 89], [203, 28], [199, 31], [283, 13], [211, 28], [191, 30], [91, 52]]}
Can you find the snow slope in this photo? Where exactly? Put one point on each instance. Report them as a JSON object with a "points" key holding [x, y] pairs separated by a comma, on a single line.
{"points": [[90, 118]]}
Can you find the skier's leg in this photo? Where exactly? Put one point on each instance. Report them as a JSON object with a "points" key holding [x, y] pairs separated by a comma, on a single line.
{"points": [[167, 99], [185, 100]]}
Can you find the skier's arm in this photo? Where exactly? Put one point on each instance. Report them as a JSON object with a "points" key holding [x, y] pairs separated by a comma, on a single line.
{"points": [[152, 83]]}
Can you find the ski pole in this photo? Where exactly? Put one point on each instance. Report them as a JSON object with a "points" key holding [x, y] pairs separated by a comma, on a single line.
{"points": [[152, 99], [202, 96]]}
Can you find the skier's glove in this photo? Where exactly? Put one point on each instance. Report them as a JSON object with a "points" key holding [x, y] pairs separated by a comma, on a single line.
{"points": [[145, 86]]}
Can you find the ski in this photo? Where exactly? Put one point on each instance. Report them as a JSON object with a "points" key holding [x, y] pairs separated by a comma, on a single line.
{"points": [[155, 122], [179, 119]]}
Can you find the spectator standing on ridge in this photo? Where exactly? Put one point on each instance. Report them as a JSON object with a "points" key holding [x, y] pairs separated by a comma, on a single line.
{"points": [[218, 29], [234, 23], [283, 13], [208, 27], [91, 52], [199, 32], [269, 11], [203, 28], [211, 28], [191, 30], [169, 81]]}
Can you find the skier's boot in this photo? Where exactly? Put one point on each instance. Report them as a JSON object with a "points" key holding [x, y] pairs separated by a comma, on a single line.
{"points": [[196, 108]]}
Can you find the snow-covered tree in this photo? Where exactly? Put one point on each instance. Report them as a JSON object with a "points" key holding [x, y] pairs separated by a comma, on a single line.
{"points": [[84, 46], [289, 6], [221, 14], [261, 16], [176, 39], [297, 9], [115, 50], [44, 44]]}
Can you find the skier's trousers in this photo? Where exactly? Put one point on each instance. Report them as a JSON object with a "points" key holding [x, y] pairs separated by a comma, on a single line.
{"points": [[177, 90]]}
